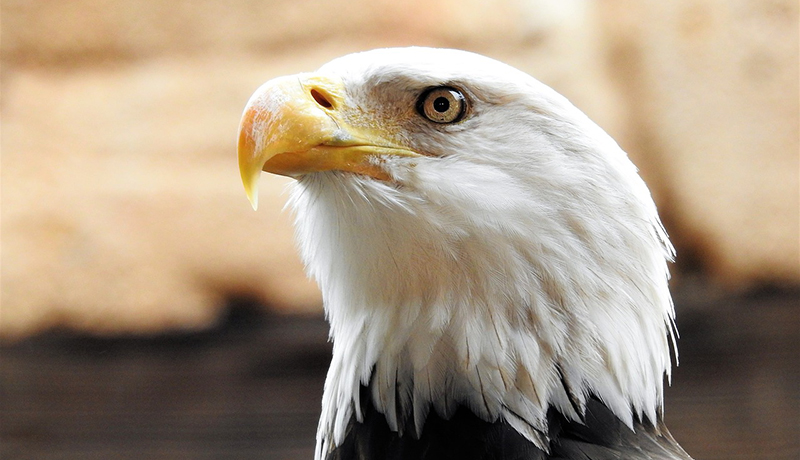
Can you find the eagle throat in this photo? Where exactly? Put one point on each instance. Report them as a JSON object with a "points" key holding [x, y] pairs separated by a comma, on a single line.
{"points": [[440, 298]]}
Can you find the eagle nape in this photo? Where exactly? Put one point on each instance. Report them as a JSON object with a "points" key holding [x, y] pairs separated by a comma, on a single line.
{"points": [[492, 266]]}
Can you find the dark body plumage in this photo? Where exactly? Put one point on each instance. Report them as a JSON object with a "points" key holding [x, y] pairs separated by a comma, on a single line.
{"points": [[466, 437]]}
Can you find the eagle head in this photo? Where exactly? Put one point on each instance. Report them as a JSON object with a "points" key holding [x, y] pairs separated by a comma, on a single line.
{"points": [[478, 241]]}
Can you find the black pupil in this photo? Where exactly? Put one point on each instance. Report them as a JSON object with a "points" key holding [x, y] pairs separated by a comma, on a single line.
{"points": [[441, 104]]}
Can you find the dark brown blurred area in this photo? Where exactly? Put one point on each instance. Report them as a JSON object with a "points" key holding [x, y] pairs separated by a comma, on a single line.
{"points": [[147, 312], [250, 388]]}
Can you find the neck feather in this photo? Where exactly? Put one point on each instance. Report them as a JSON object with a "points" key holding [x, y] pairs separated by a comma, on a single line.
{"points": [[445, 298]]}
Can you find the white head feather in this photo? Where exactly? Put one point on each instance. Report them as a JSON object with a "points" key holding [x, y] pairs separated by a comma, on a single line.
{"points": [[521, 265]]}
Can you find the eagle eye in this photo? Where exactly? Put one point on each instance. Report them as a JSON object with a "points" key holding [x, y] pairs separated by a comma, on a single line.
{"points": [[442, 104]]}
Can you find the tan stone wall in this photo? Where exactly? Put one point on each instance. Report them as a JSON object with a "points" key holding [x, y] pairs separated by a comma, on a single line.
{"points": [[714, 97], [121, 203]]}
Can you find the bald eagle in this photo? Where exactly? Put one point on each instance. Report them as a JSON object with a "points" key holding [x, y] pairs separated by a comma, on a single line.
{"points": [[492, 266]]}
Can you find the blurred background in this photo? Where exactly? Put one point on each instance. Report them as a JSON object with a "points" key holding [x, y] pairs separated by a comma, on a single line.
{"points": [[147, 312]]}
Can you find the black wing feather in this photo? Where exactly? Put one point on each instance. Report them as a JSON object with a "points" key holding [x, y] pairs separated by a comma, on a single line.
{"points": [[466, 437]]}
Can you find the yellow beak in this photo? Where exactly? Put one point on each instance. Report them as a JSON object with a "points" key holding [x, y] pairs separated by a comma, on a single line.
{"points": [[292, 126]]}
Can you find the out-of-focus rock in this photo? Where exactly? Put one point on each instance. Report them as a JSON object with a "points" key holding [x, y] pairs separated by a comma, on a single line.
{"points": [[713, 95], [85, 31], [122, 209], [121, 204]]}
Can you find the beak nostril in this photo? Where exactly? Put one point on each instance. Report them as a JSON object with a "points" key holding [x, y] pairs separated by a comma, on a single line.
{"points": [[321, 99]]}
